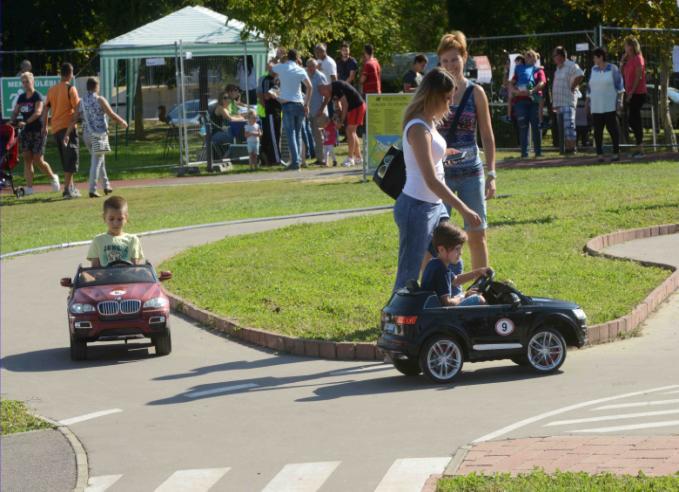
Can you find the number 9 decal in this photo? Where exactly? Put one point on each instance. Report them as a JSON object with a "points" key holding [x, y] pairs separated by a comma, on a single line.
{"points": [[504, 327]]}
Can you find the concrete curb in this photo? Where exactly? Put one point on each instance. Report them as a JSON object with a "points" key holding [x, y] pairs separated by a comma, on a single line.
{"points": [[81, 463], [365, 351], [609, 331]]}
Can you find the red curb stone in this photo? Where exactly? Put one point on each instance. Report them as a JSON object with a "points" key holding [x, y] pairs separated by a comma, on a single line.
{"points": [[298, 347], [365, 351], [311, 348], [327, 350], [346, 350]]}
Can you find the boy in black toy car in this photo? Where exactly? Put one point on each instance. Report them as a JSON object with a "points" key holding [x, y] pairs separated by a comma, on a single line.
{"points": [[439, 275]]}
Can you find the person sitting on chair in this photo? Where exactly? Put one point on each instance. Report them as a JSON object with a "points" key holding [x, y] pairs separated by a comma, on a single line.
{"points": [[225, 112]]}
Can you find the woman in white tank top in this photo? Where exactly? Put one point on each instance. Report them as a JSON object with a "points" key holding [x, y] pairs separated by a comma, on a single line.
{"points": [[419, 208]]}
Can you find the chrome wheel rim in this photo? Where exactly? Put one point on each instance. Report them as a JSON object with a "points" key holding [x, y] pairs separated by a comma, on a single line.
{"points": [[545, 351], [444, 359]]}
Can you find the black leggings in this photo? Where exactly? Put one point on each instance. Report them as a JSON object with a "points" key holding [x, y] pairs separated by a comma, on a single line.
{"points": [[634, 116], [611, 122]]}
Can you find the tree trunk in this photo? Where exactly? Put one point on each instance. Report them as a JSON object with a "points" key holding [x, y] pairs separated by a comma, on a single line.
{"points": [[664, 107], [138, 110]]}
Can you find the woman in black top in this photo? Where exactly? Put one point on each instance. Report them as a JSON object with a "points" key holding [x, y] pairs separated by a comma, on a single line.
{"points": [[30, 105], [352, 108]]}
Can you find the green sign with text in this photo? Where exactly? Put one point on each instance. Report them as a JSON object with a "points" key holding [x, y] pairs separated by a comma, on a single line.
{"points": [[11, 88]]}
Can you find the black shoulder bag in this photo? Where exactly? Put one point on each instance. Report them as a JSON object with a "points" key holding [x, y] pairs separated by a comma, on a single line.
{"points": [[390, 175]]}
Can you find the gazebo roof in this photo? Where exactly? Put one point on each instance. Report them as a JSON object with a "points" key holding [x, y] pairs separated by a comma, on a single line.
{"points": [[190, 25]]}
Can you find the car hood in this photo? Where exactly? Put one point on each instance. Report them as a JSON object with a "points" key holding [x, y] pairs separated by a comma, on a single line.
{"points": [[553, 303], [98, 293]]}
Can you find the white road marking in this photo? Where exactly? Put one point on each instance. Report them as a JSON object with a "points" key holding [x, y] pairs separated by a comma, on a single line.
{"points": [[351, 370], [649, 425], [220, 390], [410, 474], [671, 392], [194, 480], [301, 477], [611, 417], [637, 404], [542, 416], [89, 416], [100, 484]]}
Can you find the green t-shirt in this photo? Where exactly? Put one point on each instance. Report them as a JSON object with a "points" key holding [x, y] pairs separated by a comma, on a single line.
{"points": [[109, 248]]}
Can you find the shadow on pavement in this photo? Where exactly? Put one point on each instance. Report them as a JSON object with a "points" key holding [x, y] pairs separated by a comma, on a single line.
{"points": [[346, 386], [232, 366], [59, 359]]}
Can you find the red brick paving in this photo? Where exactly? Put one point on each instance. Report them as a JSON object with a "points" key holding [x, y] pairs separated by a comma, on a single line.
{"points": [[654, 455]]}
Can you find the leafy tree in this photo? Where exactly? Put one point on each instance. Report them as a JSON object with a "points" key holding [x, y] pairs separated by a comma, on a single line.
{"points": [[662, 15]]}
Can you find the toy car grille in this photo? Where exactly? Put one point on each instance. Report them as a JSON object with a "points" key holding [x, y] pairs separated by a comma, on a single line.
{"points": [[112, 308]]}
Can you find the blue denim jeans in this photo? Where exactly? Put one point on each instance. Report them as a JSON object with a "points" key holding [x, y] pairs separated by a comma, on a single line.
{"points": [[293, 116], [527, 114], [416, 221], [308, 138], [471, 189]]}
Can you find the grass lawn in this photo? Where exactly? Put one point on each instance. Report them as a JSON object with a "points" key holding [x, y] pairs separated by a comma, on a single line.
{"points": [[47, 219], [558, 482], [329, 281], [16, 418]]}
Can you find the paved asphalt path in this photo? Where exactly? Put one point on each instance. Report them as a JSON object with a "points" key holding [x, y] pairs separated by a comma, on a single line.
{"points": [[245, 416]]}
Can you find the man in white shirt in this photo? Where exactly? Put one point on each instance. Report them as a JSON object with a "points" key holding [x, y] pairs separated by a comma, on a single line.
{"points": [[295, 104], [565, 94], [326, 64]]}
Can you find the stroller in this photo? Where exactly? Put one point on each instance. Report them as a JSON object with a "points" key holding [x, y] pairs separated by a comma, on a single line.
{"points": [[9, 157]]}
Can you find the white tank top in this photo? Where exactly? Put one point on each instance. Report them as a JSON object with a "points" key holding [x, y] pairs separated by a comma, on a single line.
{"points": [[415, 186]]}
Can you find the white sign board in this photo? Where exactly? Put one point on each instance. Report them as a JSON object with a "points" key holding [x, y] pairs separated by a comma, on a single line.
{"points": [[155, 62], [582, 47]]}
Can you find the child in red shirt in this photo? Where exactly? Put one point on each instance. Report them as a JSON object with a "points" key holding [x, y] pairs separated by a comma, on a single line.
{"points": [[330, 138]]}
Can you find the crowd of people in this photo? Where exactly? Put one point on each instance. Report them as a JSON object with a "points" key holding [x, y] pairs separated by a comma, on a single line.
{"points": [[611, 93]]}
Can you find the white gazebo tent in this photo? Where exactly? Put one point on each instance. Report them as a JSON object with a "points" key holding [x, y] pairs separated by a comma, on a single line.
{"points": [[201, 31]]}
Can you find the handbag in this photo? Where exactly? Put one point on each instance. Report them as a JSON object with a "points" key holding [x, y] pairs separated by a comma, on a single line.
{"points": [[97, 141], [390, 174]]}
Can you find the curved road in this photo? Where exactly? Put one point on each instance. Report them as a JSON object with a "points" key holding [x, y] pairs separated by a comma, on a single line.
{"points": [[220, 414]]}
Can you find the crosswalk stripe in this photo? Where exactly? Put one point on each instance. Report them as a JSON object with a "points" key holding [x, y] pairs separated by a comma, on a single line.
{"points": [[649, 425], [100, 484], [193, 480], [221, 389], [301, 477], [89, 416], [410, 474], [611, 417], [637, 404]]}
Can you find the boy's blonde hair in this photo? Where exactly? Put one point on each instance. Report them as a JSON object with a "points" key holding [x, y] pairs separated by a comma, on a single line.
{"points": [[448, 236], [117, 203], [252, 114]]}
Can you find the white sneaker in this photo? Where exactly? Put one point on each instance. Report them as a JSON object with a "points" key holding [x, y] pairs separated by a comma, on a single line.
{"points": [[359, 161], [348, 162], [28, 191], [56, 186]]}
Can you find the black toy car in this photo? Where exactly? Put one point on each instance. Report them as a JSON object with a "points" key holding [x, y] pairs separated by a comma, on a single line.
{"points": [[421, 335]]}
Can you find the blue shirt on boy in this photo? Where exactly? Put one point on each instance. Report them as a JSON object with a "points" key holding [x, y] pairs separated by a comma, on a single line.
{"points": [[439, 278]]}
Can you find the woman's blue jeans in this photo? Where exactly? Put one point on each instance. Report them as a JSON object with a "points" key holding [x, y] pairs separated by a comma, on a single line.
{"points": [[416, 221], [308, 139], [527, 114]]}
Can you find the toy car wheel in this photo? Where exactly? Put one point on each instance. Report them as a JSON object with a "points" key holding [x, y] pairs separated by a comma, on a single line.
{"points": [[546, 350], [78, 349], [163, 343], [408, 367], [441, 359]]}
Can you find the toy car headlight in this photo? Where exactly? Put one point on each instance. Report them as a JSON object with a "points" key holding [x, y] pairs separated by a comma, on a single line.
{"points": [[78, 308], [156, 303], [580, 314]]}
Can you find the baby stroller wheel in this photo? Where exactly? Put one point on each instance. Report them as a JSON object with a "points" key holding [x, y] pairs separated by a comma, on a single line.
{"points": [[19, 192]]}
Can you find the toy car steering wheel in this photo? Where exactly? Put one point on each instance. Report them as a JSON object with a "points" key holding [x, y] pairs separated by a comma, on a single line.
{"points": [[482, 283], [119, 263]]}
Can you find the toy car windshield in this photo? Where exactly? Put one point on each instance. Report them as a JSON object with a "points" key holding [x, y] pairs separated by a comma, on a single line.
{"points": [[103, 276]]}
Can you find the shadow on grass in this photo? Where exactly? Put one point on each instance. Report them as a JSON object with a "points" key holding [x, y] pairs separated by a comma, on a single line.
{"points": [[656, 206], [11, 200], [511, 222], [59, 359], [327, 386]]}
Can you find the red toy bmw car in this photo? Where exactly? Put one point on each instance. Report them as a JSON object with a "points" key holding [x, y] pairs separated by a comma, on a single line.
{"points": [[119, 302]]}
